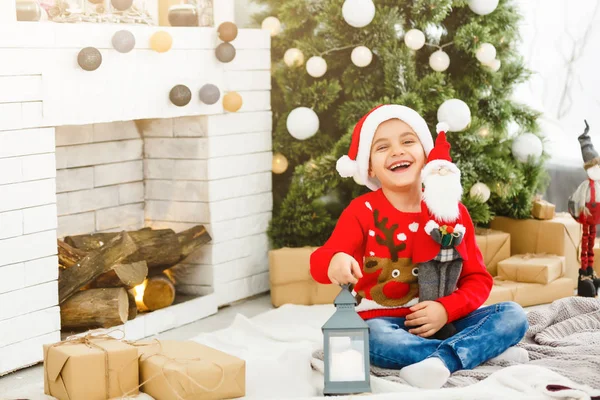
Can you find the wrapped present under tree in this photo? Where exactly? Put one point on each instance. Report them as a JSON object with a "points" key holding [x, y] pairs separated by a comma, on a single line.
{"points": [[291, 282], [560, 235], [532, 268], [530, 294], [541, 209], [494, 246]]}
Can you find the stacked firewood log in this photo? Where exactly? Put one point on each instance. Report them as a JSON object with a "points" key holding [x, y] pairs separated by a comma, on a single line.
{"points": [[98, 273]]}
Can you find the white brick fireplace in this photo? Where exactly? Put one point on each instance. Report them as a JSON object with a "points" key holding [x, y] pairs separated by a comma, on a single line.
{"points": [[84, 152]]}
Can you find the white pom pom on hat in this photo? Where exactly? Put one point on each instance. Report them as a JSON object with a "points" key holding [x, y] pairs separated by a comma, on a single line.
{"points": [[356, 162], [346, 167], [442, 127], [440, 155]]}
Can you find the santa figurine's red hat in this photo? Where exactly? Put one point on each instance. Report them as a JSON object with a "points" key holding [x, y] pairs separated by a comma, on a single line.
{"points": [[356, 163], [440, 155]]}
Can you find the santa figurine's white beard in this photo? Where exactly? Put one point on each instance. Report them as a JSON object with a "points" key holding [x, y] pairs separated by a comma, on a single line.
{"points": [[442, 195]]}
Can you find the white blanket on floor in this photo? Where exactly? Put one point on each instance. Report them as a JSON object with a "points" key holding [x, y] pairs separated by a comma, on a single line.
{"points": [[278, 346]]}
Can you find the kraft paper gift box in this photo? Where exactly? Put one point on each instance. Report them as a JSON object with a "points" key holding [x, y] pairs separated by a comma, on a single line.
{"points": [[560, 235], [532, 268], [499, 294], [76, 369], [530, 294], [291, 282], [494, 246], [175, 370], [542, 209]]}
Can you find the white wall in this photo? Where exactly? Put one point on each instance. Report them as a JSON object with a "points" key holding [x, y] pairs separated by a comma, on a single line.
{"points": [[244, 10], [216, 171], [560, 45], [29, 312], [99, 178]]}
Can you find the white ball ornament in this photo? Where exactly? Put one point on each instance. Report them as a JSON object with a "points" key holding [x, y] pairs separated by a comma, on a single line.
{"points": [[316, 66], [302, 123], [439, 61], [486, 53], [494, 65], [293, 57], [526, 146], [361, 56], [272, 24], [414, 39], [455, 113], [483, 7], [480, 191], [358, 13]]}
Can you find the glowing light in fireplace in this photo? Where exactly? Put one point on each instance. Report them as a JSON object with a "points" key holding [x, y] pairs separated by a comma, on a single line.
{"points": [[138, 291]]}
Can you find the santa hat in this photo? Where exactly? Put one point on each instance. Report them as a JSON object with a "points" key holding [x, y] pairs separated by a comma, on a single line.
{"points": [[440, 155], [590, 156], [356, 163]]}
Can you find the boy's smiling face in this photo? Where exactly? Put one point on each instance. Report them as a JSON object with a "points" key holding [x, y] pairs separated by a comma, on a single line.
{"points": [[397, 155]]}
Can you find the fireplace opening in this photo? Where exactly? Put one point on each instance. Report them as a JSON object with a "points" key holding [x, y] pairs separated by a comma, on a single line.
{"points": [[114, 265]]}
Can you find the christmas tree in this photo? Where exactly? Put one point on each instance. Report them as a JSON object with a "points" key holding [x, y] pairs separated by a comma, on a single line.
{"points": [[333, 60]]}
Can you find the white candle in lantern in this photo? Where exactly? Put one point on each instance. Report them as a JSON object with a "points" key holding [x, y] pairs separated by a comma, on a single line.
{"points": [[346, 364]]}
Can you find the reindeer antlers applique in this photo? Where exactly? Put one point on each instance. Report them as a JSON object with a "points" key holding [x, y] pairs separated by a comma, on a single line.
{"points": [[389, 235]]}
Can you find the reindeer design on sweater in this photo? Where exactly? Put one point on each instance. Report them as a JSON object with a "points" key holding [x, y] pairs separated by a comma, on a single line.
{"points": [[395, 279]]}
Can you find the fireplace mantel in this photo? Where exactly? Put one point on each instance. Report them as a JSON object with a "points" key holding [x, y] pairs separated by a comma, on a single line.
{"points": [[48, 105], [41, 59]]}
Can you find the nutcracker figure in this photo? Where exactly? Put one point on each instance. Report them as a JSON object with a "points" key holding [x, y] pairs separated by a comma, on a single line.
{"points": [[584, 206]]}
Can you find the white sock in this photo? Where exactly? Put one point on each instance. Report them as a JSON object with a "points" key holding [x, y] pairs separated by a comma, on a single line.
{"points": [[515, 354], [430, 373]]}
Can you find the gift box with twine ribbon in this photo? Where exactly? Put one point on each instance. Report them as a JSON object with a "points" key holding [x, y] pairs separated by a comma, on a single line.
{"points": [[541, 209], [186, 370], [91, 367], [99, 366], [560, 235], [532, 268]]}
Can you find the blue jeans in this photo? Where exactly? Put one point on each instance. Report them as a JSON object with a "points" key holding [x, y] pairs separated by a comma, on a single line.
{"points": [[484, 334]]}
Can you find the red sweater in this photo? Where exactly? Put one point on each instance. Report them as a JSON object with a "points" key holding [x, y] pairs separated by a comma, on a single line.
{"points": [[382, 238]]}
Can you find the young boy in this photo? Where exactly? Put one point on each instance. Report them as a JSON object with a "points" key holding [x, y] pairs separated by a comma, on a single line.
{"points": [[372, 247]]}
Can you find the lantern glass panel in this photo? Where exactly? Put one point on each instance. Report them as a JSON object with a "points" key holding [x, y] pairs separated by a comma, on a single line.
{"points": [[346, 356]]}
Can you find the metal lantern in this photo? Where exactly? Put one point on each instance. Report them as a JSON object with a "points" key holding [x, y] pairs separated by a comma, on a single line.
{"points": [[346, 349]]}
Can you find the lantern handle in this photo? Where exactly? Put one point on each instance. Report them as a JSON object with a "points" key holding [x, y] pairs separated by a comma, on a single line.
{"points": [[347, 286]]}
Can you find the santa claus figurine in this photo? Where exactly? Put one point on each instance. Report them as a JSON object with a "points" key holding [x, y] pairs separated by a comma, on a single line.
{"points": [[441, 251], [585, 208]]}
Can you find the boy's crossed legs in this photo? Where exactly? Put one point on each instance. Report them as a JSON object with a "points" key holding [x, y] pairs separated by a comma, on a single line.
{"points": [[484, 334]]}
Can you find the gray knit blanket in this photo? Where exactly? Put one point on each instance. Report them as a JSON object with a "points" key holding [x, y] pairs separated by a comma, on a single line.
{"points": [[563, 337]]}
